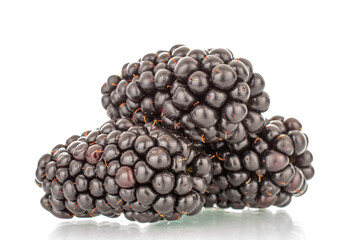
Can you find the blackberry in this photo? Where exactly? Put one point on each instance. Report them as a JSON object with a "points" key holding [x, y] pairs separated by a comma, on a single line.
{"points": [[207, 95], [267, 170], [144, 171]]}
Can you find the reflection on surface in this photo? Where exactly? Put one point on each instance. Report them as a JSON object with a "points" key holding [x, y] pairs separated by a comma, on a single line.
{"points": [[209, 224]]}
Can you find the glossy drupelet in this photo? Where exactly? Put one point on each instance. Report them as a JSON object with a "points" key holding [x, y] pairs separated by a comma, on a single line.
{"points": [[142, 171], [268, 170], [208, 95]]}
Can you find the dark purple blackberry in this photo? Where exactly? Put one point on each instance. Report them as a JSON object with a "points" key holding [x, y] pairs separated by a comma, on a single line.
{"points": [[209, 96], [145, 171], [267, 170]]}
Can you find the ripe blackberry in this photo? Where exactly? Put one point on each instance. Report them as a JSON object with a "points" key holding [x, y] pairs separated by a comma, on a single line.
{"points": [[145, 171], [208, 95], [268, 169]]}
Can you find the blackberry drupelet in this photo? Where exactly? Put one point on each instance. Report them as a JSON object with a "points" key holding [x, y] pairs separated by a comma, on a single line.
{"points": [[207, 95], [268, 170], [144, 171]]}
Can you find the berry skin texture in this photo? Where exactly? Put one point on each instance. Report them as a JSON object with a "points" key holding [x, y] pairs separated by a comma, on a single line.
{"points": [[125, 177], [94, 154], [274, 161], [206, 95], [269, 169], [185, 67], [145, 172], [204, 116]]}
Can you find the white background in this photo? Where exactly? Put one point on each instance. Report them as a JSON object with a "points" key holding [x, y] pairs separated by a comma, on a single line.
{"points": [[55, 55]]}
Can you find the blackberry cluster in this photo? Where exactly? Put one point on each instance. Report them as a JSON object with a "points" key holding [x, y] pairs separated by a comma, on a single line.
{"points": [[143, 171], [186, 131], [268, 170], [207, 95]]}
